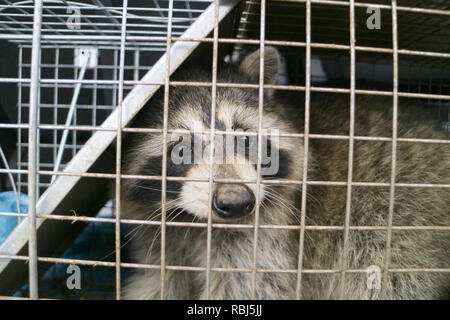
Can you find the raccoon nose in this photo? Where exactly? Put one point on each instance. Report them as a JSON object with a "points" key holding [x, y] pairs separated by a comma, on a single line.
{"points": [[233, 201]]}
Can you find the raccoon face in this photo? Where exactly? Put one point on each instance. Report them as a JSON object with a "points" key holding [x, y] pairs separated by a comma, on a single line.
{"points": [[235, 155]]}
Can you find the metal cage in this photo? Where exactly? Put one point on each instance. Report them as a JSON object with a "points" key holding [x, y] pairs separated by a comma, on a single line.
{"points": [[75, 74]]}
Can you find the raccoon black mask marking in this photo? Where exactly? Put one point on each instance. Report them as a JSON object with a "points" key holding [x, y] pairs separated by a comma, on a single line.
{"points": [[236, 110]]}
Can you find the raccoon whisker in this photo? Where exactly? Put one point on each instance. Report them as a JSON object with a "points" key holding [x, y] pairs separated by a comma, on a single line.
{"points": [[297, 218], [178, 213], [295, 187], [287, 204], [271, 200], [313, 199], [157, 233], [151, 216], [276, 199], [174, 206], [169, 206], [263, 205], [187, 231], [310, 197], [155, 189], [271, 193], [280, 198], [273, 187], [295, 209], [133, 233], [149, 251]]}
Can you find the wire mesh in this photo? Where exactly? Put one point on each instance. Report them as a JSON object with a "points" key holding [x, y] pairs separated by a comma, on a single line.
{"points": [[131, 37]]}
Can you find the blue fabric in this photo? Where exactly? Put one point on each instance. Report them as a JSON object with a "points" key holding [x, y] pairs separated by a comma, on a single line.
{"points": [[95, 242], [8, 204]]}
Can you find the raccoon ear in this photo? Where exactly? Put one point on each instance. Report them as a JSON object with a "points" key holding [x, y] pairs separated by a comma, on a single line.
{"points": [[250, 65]]}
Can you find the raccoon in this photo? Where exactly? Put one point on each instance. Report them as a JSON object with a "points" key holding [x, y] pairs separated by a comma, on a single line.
{"points": [[277, 249]]}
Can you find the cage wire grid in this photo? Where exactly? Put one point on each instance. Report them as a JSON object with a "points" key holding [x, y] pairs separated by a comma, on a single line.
{"points": [[121, 39]]}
